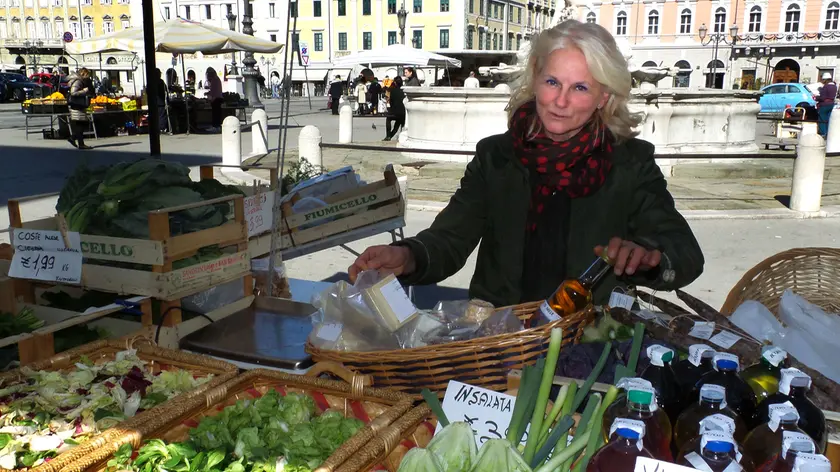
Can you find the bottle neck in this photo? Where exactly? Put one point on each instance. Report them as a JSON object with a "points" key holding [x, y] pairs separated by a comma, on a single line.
{"points": [[595, 272], [712, 404], [715, 456], [640, 407], [798, 392]]}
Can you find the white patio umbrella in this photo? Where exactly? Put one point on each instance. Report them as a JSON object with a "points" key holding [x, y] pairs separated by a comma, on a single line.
{"points": [[396, 55], [176, 36]]}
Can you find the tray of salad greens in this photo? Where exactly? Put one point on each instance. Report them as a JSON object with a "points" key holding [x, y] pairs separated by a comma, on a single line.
{"points": [[261, 421], [54, 410]]}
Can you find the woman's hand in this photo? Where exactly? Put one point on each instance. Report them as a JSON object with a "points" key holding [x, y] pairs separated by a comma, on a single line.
{"points": [[629, 257], [396, 260]]}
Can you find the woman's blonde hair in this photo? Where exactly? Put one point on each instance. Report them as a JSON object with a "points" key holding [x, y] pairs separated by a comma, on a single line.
{"points": [[606, 64]]}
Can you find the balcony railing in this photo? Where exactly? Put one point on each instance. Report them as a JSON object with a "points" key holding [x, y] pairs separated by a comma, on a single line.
{"points": [[789, 38], [22, 43]]}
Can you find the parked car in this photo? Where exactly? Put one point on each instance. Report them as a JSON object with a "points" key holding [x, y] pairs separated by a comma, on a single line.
{"points": [[42, 78], [2, 92], [777, 97], [19, 88]]}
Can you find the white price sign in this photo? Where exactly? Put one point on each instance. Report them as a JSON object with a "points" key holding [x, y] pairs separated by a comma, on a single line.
{"points": [[488, 412], [646, 464], [42, 255], [259, 213]]}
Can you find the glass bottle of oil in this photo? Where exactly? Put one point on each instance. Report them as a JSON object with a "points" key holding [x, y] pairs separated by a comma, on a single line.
{"points": [[739, 395], [793, 444], [763, 377], [793, 388], [661, 375], [716, 423], [640, 404], [712, 402], [764, 442], [689, 370], [574, 294]]}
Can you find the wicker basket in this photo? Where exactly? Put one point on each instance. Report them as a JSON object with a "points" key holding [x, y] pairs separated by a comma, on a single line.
{"points": [[379, 408], [159, 359], [813, 273], [483, 362]]}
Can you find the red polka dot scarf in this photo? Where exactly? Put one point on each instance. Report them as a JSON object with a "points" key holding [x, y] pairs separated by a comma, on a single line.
{"points": [[577, 167]]}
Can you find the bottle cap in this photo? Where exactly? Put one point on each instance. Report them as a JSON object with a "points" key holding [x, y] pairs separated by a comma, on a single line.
{"points": [[780, 412], [811, 463], [717, 441], [793, 378], [717, 422], [640, 396], [659, 355], [797, 442], [725, 361], [719, 446], [773, 355], [713, 393], [630, 429], [627, 433], [698, 352]]}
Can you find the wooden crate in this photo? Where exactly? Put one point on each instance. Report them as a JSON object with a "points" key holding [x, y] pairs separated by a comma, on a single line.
{"points": [[159, 251]]}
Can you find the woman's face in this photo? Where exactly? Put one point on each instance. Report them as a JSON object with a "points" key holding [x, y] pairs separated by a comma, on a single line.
{"points": [[567, 95]]}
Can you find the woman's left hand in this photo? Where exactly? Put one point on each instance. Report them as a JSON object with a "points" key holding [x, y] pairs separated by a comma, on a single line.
{"points": [[629, 257]]}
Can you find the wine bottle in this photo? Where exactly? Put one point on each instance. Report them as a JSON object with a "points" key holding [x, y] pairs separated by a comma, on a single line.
{"points": [[574, 294]]}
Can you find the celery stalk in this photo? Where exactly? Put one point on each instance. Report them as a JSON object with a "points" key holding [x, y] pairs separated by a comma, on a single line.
{"points": [[538, 417], [528, 397], [576, 446], [562, 430], [565, 392], [630, 369], [592, 405]]}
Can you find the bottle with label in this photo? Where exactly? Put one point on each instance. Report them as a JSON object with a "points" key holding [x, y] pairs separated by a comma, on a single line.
{"points": [[793, 444], [763, 377], [624, 446], [793, 387], [640, 404], [717, 453], [811, 463], [739, 395], [720, 424], [689, 370], [712, 402], [661, 376], [764, 443], [574, 295]]}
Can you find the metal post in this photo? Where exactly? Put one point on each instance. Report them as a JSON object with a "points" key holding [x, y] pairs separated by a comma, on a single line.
{"points": [[152, 85], [714, 62], [249, 72]]}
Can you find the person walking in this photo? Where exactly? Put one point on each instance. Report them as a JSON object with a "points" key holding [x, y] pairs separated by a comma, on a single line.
{"points": [[81, 90], [361, 95], [396, 113], [336, 91], [472, 81], [411, 79], [825, 103], [161, 101], [216, 100], [375, 91], [275, 86]]}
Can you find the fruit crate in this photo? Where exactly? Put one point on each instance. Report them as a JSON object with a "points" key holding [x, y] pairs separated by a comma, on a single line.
{"points": [[349, 211], [160, 281]]}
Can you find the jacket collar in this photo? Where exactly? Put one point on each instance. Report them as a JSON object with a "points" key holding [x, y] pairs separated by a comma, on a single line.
{"points": [[620, 153]]}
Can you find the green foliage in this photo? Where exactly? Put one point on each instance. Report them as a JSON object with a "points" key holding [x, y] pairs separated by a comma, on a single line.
{"points": [[297, 172]]}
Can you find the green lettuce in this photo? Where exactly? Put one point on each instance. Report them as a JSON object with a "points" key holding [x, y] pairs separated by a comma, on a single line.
{"points": [[421, 460], [454, 446]]}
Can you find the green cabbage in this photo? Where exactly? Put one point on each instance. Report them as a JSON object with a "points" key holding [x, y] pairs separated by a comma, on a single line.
{"points": [[496, 455], [454, 446], [420, 460]]}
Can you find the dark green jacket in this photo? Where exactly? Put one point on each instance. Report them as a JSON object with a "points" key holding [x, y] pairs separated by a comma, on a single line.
{"points": [[491, 207]]}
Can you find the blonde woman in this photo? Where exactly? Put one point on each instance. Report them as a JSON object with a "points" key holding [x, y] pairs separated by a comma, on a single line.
{"points": [[81, 90], [567, 181]]}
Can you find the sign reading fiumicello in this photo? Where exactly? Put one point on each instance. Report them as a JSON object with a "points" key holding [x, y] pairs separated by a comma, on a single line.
{"points": [[340, 207], [107, 249]]}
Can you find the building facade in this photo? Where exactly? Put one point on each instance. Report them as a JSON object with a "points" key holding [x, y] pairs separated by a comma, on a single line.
{"points": [[744, 44]]}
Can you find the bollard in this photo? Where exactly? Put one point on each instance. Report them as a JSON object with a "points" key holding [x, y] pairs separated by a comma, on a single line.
{"points": [[259, 132], [832, 141], [231, 142], [309, 145], [808, 170], [345, 124]]}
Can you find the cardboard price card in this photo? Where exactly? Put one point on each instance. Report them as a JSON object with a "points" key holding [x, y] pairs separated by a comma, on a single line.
{"points": [[646, 464], [259, 212], [487, 412], [46, 255]]}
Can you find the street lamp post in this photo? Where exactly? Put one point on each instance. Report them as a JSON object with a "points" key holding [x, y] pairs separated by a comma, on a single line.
{"points": [[32, 49], [717, 37], [249, 72], [401, 14], [231, 18], [268, 63]]}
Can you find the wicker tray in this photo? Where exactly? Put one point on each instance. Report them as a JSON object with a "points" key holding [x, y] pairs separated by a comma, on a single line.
{"points": [[159, 358], [813, 273], [379, 408], [483, 362]]}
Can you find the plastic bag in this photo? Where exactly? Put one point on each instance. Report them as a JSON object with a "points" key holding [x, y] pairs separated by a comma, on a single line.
{"points": [[214, 297], [756, 319], [279, 286], [469, 319], [796, 312]]}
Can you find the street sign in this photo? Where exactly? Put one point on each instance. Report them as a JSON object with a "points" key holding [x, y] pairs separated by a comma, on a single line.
{"points": [[68, 37], [304, 53]]}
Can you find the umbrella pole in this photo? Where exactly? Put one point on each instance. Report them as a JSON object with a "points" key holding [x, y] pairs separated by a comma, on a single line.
{"points": [[186, 102], [151, 84]]}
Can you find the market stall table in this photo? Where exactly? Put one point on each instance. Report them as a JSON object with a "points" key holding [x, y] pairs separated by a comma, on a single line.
{"points": [[62, 120]]}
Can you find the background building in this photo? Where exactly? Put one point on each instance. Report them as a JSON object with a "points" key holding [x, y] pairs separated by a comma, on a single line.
{"points": [[758, 41]]}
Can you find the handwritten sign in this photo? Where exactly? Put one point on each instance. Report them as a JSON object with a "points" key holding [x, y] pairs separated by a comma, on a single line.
{"points": [[258, 212], [488, 412], [42, 255], [646, 464]]}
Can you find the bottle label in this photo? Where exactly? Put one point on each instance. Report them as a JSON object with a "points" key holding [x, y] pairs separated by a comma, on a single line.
{"points": [[780, 411], [702, 329], [695, 353], [793, 375], [697, 462], [633, 425], [620, 300], [725, 356], [656, 353], [628, 383], [811, 463], [548, 312], [797, 441], [714, 393], [774, 355], [717, 422]]}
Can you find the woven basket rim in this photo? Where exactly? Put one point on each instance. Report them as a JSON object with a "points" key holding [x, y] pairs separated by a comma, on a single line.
{"points": [[178, 411]]}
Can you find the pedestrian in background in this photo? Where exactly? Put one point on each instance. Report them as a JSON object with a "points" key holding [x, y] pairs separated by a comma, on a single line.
{"points": [[161, 101], [81, 91], [275, 86], [825, 103], [472, 81], [411, 79], [375, 92], [396, 112], [336, 91], [361, 95], [216, 100]]}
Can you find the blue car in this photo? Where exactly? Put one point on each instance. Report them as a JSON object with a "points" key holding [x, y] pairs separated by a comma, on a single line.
{"points": [[777, 96]]}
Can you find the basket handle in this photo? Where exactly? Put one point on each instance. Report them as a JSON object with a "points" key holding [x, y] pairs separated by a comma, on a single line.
{"points": [[357, 381]]}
